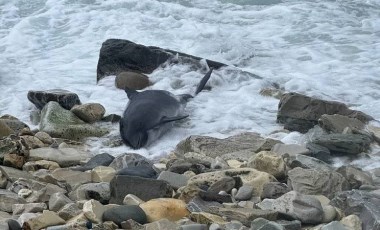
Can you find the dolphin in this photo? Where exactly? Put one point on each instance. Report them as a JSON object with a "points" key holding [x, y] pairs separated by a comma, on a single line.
{"points": [[150, 113]]}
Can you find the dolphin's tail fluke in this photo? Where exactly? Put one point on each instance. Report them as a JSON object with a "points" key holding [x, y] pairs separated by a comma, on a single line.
{"points": [[203, 82]]}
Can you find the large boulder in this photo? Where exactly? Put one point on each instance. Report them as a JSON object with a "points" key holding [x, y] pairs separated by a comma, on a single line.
{"points": [[65, 98], [117, 55], [361, 203], [62, 123], [337, 123], [300, 113]]}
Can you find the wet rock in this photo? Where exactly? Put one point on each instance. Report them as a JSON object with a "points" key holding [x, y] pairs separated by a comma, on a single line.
{"points": [[269, 162], [58, 122], [291, 149], [57, 201], [48, 218], [64, 156], [361, 203], [344, 143], [96, 191], [246, 215], [337, 123], [30, 207], [164, 208], [44, 137], [248, 176], [144, 171], [128, 160], [131, 80], [112, 118], [123, 213], [103, 159], [13, 123], [90, 112], [118, 55], [65, 98], [301, 207], [261, 223], [300, 113], [8, 199], [102, 174], [174, 179], [319, 152], [143, 188], [355, 176], [315, 182], [4, 129], [213, 147]]}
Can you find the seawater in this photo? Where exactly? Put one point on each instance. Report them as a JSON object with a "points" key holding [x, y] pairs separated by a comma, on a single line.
{"points": [[327, 49]]}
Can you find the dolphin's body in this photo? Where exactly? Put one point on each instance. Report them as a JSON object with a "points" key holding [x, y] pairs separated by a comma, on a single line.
{"points": [[151, 113]]}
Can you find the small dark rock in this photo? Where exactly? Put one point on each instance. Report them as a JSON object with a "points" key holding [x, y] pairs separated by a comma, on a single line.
{"points": [[103, 159], [273, 190], [112, 118], [13, 224], [225, 184], [129, 160], [65, 98], [320, 152], [123, 213], [209, 196], [139, 171], [290, 225], [344, 143], [199, 205]]}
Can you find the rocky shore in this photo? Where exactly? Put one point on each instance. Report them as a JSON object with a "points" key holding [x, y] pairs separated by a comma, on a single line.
{"points": [[48, 180]]}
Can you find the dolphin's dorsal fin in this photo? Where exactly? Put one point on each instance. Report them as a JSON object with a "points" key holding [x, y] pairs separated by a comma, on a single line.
{"points": [[130, 92], [203, 82], [165, 120]]}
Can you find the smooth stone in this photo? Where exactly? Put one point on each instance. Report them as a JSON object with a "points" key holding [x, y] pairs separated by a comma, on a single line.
{"points": [[129, 160], [62, 123], [144, 171], [131, 199], [29, 207], [174, 179], [89, 112], [337, 123], [329, 213], [352, 222], [164, 208], [12, 225], [246, 215], [48, 218], [8, 199], [335, 225], [290, 225], [263, 224], [291, 149], [41, 164], [44, 137], [57, 201], [65, 98], [69, 211], [244, 192], [125, 212], [268, 161], [315, 182], [103, 159], [97, 191], [131, 80], [102, 174], [144, 188], [194, 227], [344, 143], [65, 157], [235, 164], [301, 207]]}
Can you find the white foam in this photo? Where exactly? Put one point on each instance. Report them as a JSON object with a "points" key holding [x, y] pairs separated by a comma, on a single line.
{"points": [[327, 49]]}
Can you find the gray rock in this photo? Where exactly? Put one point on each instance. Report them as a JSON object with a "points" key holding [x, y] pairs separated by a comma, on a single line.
{"points": [[335, 225], [103, 159], [355, 176], [65, 98], [224, 184], [14, 124], [69, 211], [58, 122], [361, 203], [263, 224], [290, 225], [90, 112], [344, 143], [316, 182], [301, 207], [5, 130], [213, 147], [244, 192], [181, 166], [308, 162], [97, 191], [13, 225], [65, 157], [143, 188], [111, 118], [273, 190], [8, 199], [13, 174], [131, 80], [337, 123], [174, 179], [123, 213], [199, 205], [128, 160], [71, 178], [246, 215], [30, 207], [300, 113], [194, 227], [291, 149], [57, 201], [318, 151], [163, 224], [145, 171]]}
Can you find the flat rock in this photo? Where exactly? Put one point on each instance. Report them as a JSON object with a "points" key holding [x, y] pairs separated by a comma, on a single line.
{"points": [[89, 112], [8, 199], [261, 223], [48, 218], [164, 208], [65, 98], [62, 123], [355, 176], [308, 162], [102, 174], [13, 174], [131, 80], [70, 211], [335, 225], [198, 205], [123, 213], [65, 157], [57, 201], [144, 188], [361, 203], [301, 207], [213, 147], [291, 149], [246, 215], [290, 225], [300, 113], [337, 123], [29, 207], [4, 129], [319, 152], [129, 160], [174, 179], [71, 177], [144, 171], [344, 143], [97, 191], [316, 182], [103, 159]]}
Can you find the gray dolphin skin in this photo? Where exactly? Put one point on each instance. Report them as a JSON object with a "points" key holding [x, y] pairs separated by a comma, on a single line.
{"points": [[150, 113]]}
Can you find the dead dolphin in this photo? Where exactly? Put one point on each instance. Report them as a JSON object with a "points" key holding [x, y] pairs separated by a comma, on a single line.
{"points": [[151, 113]]}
